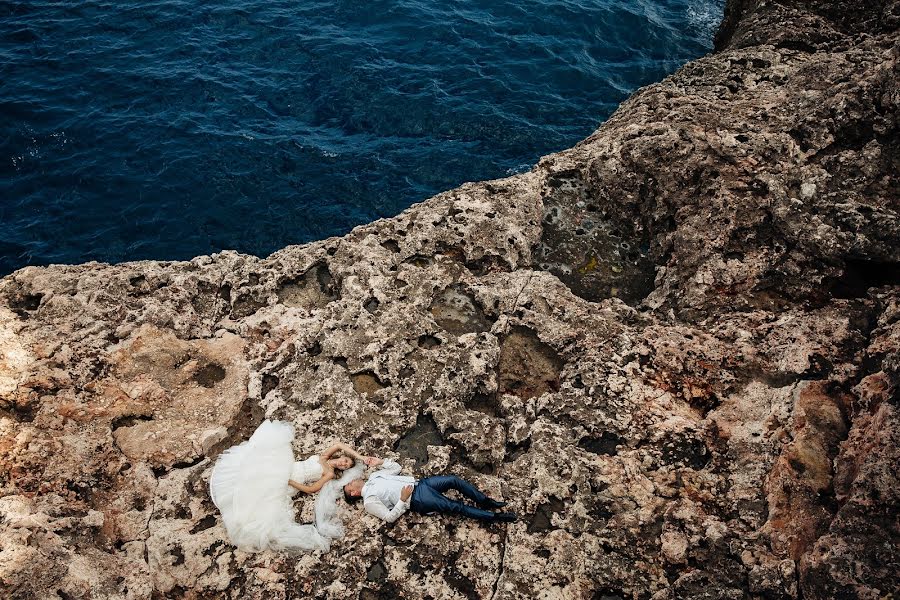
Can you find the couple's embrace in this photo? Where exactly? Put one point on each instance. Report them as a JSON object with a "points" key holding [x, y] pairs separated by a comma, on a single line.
{"points": [[253, 485]]}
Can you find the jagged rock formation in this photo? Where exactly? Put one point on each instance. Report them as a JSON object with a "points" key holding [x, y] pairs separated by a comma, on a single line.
{"points": [[675, 348]]}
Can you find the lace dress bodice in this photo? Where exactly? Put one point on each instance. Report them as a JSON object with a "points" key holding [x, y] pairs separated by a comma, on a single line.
{"points": [[307, 471]]}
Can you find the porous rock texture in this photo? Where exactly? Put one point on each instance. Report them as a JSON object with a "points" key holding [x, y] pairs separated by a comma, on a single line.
{"points": [[674, 349]]}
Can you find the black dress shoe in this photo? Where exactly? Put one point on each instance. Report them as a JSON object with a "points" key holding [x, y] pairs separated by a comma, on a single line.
{"points": [[506, 517], [491, 504]]}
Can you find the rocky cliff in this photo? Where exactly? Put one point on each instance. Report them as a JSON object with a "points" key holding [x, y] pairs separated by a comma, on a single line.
{"points": [[674, 348]]}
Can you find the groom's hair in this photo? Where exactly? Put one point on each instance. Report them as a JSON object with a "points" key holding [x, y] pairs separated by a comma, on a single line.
{"points": [[349, 497]]}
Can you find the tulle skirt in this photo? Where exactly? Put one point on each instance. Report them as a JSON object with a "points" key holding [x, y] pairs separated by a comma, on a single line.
{"points": [[249, 487]]}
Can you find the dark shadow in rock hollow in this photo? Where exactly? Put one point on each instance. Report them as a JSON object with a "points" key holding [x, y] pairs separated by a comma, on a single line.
{"points": [[414, 443], [460, 456], [209, 375], [514, 451], [377, 572], [419, 260], [600, 510], [21, 412], [247, 303], [391, 245], [22, 302], [543, 516], [248, 418], [372, 305], [686, 451], [595, 256], [860, 275], [528, 366], [387, 591], [605, 444], [428, 341], [128, 421], [461, 583], [457, 312], [269, 383], [203, 524], [483, 403], [314, 289]]}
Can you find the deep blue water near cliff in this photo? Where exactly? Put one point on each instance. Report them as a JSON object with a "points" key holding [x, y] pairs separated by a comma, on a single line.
{"points": [[165, 129]]}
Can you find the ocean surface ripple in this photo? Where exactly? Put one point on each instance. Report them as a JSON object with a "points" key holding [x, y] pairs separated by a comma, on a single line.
{"points": [[170, 128]]}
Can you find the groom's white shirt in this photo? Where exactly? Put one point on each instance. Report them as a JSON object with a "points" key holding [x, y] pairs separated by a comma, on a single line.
{"points": [[381, 493]]}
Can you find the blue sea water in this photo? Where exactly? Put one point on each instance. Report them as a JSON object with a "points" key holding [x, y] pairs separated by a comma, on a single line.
{"points": [[165, 129]]}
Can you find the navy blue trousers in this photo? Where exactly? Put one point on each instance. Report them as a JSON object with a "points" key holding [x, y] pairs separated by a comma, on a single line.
{"points": [[428, 497]]}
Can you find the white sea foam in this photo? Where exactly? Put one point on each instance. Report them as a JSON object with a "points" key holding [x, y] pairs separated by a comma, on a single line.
{"points": [[705, 16], [518, 169]]}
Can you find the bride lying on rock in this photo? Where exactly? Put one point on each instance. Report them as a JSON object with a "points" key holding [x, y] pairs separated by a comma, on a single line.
{"points": [[323, 468], [252, 485]]}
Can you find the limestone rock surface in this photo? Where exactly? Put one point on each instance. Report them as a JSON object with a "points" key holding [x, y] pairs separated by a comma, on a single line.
{"points": [[674, 349]]}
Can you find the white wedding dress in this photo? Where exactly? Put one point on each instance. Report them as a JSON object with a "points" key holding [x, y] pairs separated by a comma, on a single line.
{"points": [[249, 485]]}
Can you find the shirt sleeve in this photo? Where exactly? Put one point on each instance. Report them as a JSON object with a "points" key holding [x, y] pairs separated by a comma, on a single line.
{"points": [[376, 507], [389, 467]]}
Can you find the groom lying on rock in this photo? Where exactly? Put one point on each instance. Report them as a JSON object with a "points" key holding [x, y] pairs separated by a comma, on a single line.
{"points": [[387, 495]]}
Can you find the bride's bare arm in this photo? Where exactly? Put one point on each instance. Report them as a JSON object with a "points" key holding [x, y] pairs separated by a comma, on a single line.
{"points": [[341, 447], [314, 487], [306, 489]]}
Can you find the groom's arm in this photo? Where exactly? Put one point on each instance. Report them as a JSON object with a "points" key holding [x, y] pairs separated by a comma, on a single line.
{"points": [[376, 507], [388, 467]]}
